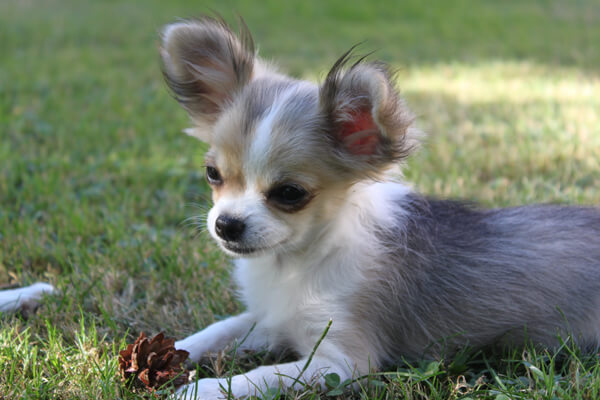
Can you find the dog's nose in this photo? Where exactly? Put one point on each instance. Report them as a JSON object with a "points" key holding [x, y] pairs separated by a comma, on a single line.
{"points": [[229, 228]]}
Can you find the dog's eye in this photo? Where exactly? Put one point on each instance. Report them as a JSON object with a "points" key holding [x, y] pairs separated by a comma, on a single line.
{"points": [[213, 176], [289, 197]]}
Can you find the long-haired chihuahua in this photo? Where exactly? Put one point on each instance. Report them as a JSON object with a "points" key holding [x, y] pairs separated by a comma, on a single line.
{"points": [[308, 202]]}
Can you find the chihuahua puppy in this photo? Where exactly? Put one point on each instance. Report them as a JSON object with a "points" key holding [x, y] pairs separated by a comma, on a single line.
{"points": [[306, 200]]}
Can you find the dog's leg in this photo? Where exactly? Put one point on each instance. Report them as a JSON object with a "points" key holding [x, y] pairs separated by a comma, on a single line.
{"points": [[25, 298], [218, 335], [259, 380]]}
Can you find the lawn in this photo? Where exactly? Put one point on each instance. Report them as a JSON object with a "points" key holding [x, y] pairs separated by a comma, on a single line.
{"points": [[99, 187]]}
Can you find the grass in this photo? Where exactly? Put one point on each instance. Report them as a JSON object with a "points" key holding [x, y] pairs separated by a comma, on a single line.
{"points": [[96, 180]]}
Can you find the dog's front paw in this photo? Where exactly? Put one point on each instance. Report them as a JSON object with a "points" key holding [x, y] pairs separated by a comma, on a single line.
{"points": [[203, 389], [32, 295], [37, 290], [26, 299], [195, 347]]}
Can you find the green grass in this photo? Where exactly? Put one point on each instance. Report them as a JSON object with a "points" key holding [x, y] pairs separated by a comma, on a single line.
{"points": [[96, 180]]}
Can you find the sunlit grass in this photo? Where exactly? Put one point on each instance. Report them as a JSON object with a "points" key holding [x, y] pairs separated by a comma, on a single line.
{"points": [[508, 133]]}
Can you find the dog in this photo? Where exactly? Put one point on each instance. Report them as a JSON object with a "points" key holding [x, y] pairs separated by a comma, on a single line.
{"points": [[308, 200], [25, 299]]}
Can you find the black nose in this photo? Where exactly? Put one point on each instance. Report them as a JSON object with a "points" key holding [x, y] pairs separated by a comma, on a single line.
{"points": [[229, 228]]}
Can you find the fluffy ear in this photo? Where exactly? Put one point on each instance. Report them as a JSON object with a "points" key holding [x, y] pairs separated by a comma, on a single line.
{"points": [[368, 122], [204, 64]]}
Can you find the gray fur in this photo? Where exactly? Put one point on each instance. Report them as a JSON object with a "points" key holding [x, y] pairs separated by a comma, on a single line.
{"points": [[455, 276], [257, 98]]}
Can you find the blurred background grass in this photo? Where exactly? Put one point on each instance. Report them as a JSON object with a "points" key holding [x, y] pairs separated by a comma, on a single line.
{"points": [[96, 178]]}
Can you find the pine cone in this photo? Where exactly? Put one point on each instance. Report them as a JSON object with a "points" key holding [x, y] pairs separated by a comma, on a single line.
{"points": [[151, 363]]}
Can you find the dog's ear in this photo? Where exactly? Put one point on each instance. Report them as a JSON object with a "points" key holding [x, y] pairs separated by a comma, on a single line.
{"points": [[204, 64], [368, 121]]}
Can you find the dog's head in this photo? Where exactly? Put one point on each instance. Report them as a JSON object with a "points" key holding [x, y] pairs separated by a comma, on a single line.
{"points": [[283, 153]]}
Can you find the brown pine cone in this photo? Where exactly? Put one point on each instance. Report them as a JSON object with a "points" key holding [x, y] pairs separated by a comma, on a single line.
{"points": [[149, 364]]}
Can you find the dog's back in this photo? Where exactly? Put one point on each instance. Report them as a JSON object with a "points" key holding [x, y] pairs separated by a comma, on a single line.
{"points": [[454, 274]]}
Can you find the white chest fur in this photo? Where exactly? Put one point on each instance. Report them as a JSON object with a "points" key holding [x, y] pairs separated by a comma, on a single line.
{"points": [[291, 303], [293, 298]]}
